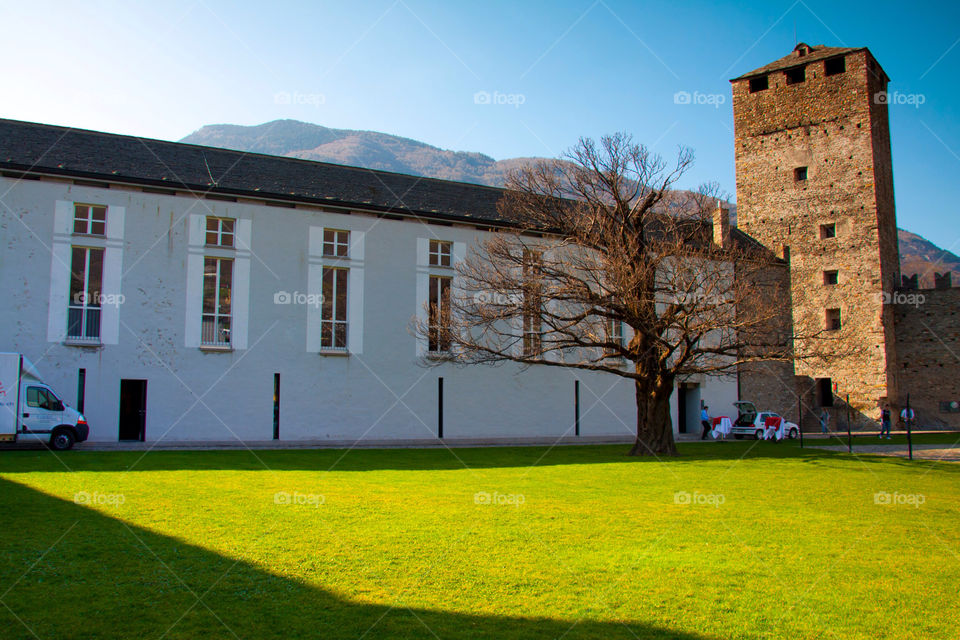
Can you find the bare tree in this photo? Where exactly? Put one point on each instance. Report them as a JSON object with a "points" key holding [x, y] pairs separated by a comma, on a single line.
{"points": [[611, 269]]}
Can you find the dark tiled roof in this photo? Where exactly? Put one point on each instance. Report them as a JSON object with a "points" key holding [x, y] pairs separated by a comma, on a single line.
{"points": [[110, 157], [814, 53], [93, 155]]}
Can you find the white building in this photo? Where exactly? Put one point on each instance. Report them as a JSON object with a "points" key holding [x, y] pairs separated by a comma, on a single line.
{"points": [[173, 292]]}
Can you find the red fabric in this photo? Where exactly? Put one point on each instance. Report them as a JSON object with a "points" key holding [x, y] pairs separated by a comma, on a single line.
{"points": [[716, 421], [770, 421]]}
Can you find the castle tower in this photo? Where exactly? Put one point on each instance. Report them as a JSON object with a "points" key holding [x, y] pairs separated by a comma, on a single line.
{"points": [[815, 185]]}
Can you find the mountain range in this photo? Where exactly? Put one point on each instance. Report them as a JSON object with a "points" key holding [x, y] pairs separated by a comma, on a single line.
{"points": [[375, 150]]}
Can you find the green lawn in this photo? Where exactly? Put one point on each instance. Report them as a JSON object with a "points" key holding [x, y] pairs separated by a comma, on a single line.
{"points": [[577, 542]]}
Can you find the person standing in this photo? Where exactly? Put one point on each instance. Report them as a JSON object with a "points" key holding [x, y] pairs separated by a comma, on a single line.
{"points": [[885, 421], [907, 416], [705, 421], [824, 421]]}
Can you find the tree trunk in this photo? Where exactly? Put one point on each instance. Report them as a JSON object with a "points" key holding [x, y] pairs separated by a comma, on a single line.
{"points": [[654, 424]]}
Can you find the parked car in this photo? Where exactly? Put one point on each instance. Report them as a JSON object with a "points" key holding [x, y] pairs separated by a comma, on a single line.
{"points": [[751, 422]]}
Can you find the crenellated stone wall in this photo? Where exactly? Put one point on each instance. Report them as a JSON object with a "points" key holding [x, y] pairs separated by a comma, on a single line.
{"points": [[928, 347]]}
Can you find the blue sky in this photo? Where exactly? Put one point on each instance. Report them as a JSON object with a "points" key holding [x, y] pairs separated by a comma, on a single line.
{"points": [[554, 71]]}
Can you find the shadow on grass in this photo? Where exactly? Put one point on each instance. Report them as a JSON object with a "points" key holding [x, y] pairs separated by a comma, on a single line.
{"points": [[67, 571]]}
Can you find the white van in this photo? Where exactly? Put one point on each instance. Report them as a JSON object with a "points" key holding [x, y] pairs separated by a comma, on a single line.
{"points": [[30, 411]]}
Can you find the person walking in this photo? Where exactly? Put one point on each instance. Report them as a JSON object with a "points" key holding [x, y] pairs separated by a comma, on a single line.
{"points": [[824, 421], [885, 421], [705, 421]]}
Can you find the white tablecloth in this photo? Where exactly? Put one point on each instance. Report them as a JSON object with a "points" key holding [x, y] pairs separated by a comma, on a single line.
{"points": [[723, 428], [774, 432]]}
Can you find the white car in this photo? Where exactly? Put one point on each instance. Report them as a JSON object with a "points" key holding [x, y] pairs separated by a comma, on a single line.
{"points": [[751, 422]]}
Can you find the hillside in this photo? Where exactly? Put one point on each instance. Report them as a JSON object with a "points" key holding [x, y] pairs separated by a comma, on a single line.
{"points": [[368, 149], [375, 150]]}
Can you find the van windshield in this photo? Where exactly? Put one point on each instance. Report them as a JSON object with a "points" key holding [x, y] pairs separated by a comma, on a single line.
{"points": [[41, 398]]}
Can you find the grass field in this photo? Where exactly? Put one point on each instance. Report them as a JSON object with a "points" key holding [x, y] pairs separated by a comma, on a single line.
{"points": [[731, 540]]}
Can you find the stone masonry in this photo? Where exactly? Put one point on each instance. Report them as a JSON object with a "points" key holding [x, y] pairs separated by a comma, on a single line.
{"points": [[928, 349], [815, 185]]}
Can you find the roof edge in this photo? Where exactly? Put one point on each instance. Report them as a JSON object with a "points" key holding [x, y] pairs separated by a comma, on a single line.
{"points": [[759, 72], [199, 190], [66, 128]]}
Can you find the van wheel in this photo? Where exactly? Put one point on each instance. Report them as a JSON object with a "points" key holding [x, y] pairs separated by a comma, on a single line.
{"points": [[793, 434], [61, 440], [758, 434]]}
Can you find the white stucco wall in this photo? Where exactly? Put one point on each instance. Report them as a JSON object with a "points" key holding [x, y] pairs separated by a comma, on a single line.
{"points": [[379, 391]]}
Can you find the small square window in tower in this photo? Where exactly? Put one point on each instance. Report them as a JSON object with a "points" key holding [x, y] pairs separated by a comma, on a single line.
{"points": [[800, 174], [833, 319], [759, 84], [796, 75], [831, 278], [828, 231], [833, 66]]}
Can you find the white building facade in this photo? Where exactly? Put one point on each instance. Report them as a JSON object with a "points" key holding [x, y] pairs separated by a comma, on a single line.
{"points": [[174, 306]]}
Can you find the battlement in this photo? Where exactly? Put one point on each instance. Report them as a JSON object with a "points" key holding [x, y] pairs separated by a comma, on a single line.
{"points": [[941, 281], [825, 85]]}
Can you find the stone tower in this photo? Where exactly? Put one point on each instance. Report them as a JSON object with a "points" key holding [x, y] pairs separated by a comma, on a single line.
{"points": [[815, 185]]}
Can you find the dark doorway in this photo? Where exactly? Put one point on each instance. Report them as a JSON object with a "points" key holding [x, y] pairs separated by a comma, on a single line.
{"points": [[825, 392], [133, 409], [688, 407]]}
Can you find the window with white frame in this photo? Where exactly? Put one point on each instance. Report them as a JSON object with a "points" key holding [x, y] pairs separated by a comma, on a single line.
{"points": [[532, 303], [217, 293], [614, 334], [220, 232], [532, 332], [90, 219], [333, 320], [86, 281], [336, 243], [438, 340], [441, 253]]}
